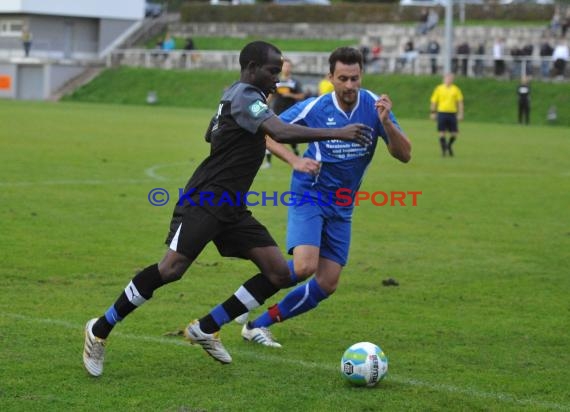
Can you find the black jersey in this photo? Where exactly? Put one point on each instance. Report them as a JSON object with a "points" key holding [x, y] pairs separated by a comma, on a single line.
{"points": [[236, 153]]}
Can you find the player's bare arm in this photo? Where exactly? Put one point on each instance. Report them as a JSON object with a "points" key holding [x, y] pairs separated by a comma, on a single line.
{"points": [[293, 133], [399, 145], [300, 164]]}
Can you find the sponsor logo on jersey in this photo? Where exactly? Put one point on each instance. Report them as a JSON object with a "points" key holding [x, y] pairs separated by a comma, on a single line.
{"points": [[257, 107]]}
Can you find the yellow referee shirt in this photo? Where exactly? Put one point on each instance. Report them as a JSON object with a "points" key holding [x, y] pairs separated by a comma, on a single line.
{"points": [[446, 98]]}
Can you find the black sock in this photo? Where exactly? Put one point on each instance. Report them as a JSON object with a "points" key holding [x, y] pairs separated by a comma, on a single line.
{"points": [[137, 292], [268, 157], [443, 145], [451, 140], [258, 287]]}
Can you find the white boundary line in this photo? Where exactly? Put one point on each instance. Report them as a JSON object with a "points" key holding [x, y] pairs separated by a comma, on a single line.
{"points": [[151, 172], [470, 392]]}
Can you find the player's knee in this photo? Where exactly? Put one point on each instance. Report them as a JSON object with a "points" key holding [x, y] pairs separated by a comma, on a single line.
{"points": [[172, 270], [327, 285], [305, 269], [279, 276]]}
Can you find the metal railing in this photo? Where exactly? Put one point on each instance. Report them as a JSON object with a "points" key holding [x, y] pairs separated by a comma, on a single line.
{"points": [[317, 63]]}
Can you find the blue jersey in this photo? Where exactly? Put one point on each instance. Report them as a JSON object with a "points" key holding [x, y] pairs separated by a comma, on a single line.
{"points": [[343, 164]]}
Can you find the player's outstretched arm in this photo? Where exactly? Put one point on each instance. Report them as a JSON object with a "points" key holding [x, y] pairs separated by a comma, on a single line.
{"points": [[300, 164], [293, 133]]}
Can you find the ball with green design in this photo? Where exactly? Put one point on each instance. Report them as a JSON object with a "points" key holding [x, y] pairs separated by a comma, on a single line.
{"points": [[364, 364]]}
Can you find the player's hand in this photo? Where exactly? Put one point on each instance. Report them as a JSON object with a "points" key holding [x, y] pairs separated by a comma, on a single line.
{"points": [[383, 106], [432, 116], [358, 133], [460, 116], [306, 165]]}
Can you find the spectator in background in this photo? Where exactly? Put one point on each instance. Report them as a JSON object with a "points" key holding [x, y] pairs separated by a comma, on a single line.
{"points": [[423, 22], [463, 50], [565, 23], [409, 54], [288, 92], [168, 43], [523, 92], [526, 52], [479, 66], [189, 44], [555, 22], [325, 86], [560, 57], [498, 56], [433, 19], [433, 49], [428, 21], [26, 41], [517, 64], [374, 64], [545, 52], [376, 50]]}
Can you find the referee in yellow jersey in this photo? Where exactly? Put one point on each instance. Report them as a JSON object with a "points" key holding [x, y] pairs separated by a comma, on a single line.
{"points": [[447, 103]]}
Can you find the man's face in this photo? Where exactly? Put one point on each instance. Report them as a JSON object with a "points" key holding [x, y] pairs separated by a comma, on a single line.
{"points": [[346, 80], [267, 76]]}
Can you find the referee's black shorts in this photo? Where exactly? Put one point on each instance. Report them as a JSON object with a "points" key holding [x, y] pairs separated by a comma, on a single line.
{"points": [[447, 122], [193, 227]]}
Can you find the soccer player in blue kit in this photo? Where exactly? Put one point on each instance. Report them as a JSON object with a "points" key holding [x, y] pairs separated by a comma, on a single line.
{"points": [[318, 231]]}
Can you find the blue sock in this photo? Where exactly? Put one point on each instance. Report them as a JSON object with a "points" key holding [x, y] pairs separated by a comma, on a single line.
{"points": [[300, 300], [292, 275], [112, 316]]}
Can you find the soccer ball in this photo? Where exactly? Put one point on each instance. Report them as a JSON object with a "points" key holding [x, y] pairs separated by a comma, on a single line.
{"points": [[364, 364]]}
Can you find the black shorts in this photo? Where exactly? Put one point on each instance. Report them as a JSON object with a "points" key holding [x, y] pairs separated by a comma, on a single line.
{"points": [[192, 230], [447, 121]]}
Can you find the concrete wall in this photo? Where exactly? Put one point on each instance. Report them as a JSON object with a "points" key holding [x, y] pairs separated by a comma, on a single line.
{"points": [[7, 81], [112, 9]]}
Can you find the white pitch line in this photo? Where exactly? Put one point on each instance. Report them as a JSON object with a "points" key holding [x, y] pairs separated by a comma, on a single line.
{"points": [[78, 182], [473, 393], [152, 171]]}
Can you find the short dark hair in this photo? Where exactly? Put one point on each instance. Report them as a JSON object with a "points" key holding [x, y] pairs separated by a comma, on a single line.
{"points": [[256, 52], [345, 55]]}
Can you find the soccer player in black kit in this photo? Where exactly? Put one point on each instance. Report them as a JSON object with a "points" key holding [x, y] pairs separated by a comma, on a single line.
{"points": [[237, 136]]}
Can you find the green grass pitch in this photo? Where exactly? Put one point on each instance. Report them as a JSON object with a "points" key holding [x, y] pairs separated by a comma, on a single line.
{"points": [[480, 320]]}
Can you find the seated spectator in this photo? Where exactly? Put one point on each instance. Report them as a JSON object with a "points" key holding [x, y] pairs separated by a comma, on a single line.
{"points": [[433, 19], [423, 22], [555, 22]]}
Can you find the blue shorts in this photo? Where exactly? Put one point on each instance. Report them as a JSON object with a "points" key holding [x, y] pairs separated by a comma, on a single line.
{"points": [[447, 121], [320, 226]]}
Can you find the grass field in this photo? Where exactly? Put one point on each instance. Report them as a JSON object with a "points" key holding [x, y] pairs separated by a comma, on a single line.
{"points": [[485, 99], [479, 322]]}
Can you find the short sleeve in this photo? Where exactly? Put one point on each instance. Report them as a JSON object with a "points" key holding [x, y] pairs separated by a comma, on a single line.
{"points": [[249, 109]]}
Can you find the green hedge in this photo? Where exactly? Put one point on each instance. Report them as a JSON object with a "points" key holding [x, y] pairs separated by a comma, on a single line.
{"points": [[349, 13]]}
